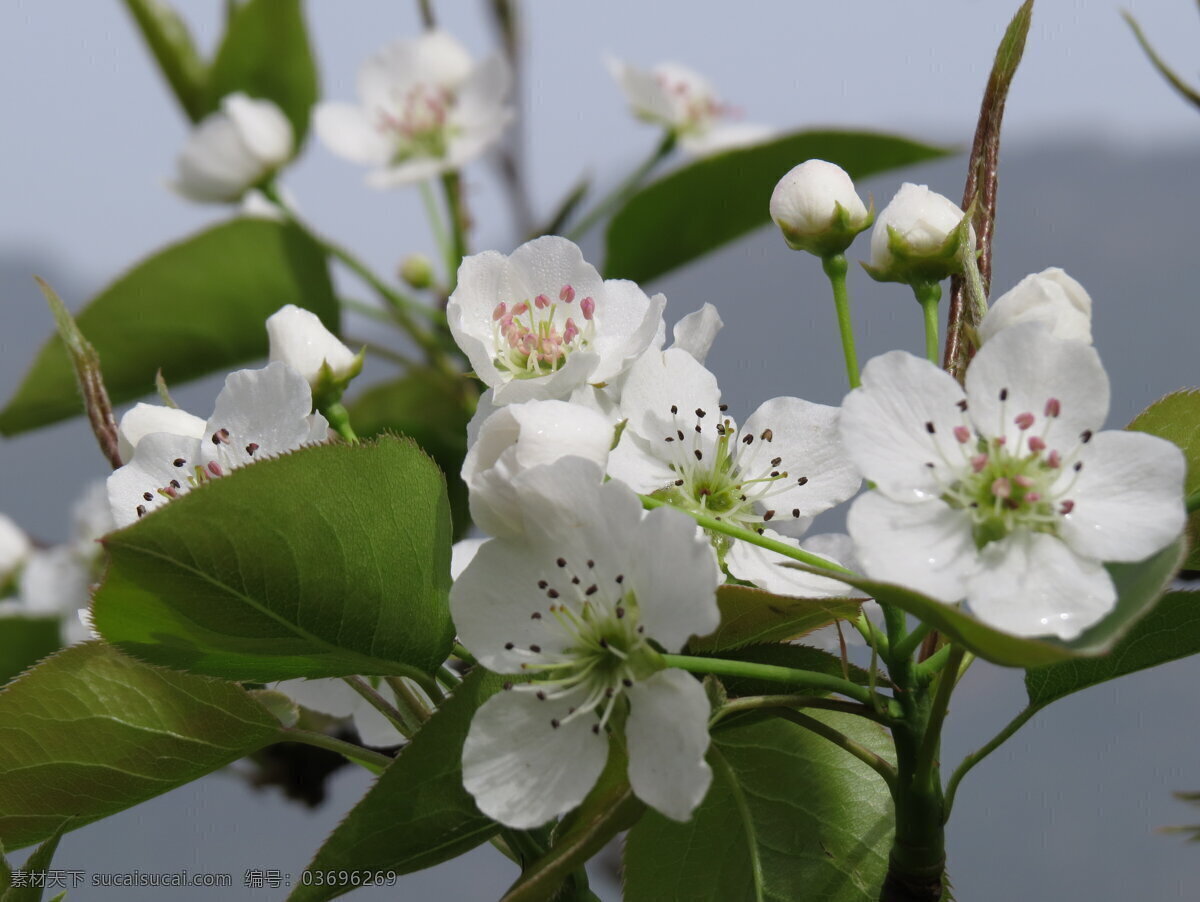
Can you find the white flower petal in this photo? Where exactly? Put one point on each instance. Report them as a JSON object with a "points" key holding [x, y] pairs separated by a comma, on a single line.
{"points": [[55, 581], [674, 577], [659, 381], [267, 408], [768, 570], [696, 331], [1032, 584], [348, 132], [521, 770], [298, 338], [1128, 497], [806, 438], [928, 547], [151, 469], [626, 324], [462, 553], [143, 419], [1028, 367], [1051, 298], [885, 426], [634, 463], [15, 547], [668, 738], [263, 128], [643, 91], [721, 138]]}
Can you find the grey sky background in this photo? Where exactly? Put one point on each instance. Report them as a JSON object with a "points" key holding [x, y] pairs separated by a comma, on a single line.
{"points": [[1098, 176]]}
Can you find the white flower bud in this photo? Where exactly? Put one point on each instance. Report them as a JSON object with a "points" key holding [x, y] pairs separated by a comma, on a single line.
{"points": [[519, 437], [145, 419], [233, 149], [805, 206], [1051, 298], [14, 547], [921, 218], [298, 338]]}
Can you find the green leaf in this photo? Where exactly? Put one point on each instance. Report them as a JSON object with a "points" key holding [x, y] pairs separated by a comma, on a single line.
{"points": [[750, 616], [430, 408], [1169, 632], [1186, 91], [329, 561], [789, 816], [1177, 419], [708, 203], [37, 863], [89, 732], [265, 53], [24, 641], [194, 308], [608, 809], [1138, 585], [167, 36], [418, 813]]}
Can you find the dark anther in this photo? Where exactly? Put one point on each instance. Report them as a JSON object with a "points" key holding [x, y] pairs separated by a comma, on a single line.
{"points": [[776, 461], [553, 593], [179, 462], [536, 649], [175, 484], [626, 682], [542, 584], [541, 696], [147, 496], [508, 646], [507, 685], [620, 578], [929, 427], [574, 580], [1078, 466], [670, 438], [141, 510], [619, 611], [774, 474], [679, 432], [251, 448], [724, 407], [554, 723], [678, 482], [590, 590], [796, 512], [1004, 394], [698, 429], [699, 454], [591, 564], [760, 530], [561, 562], [596, 728], [747, 439], [767, 435], [803, 480], [700, 413], [1085, 436], [768, 515], [962, 405], [674, 409]]}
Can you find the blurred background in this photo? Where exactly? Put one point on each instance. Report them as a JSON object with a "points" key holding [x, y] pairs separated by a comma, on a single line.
{"points": [[1099, 176]]}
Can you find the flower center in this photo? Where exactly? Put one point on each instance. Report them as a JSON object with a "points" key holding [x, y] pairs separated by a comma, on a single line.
{"points": [[729, 478], [604, 649], [696, 110], [420, 125], [1006, 487], [535, 338]]}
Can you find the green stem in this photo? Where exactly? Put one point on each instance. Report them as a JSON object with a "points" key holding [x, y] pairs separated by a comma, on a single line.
{"points": [[339, 419], [912, 641], [412, 703], [933, 665], [624, 190], [928, 294], [974, 281], [927, 753], [457, 247], [1193, 502], [897, 629], [461, 652], [716, 524], [758, 702], [395, 717], [835, 267], [372, 761], [863, 754], [805, 679], [975, 757]]}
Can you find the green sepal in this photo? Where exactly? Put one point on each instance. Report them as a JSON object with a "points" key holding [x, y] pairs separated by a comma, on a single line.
{"points": [[834, 238], [911, 267]]}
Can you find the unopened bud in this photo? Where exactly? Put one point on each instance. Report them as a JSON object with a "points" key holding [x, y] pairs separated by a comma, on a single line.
{"points": [[417, 271], [817, 209]]}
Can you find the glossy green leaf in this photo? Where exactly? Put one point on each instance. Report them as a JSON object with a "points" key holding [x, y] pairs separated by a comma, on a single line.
{"points": [[1169, 632], [1139, 586], [708, 203], [266, 53], [168, 39], [196, 307], [329, 561], [432, 409], [24, 641], [90, 732], [750, 616], [1177, 419], [37, 863], [789, 816], [418, 813]]}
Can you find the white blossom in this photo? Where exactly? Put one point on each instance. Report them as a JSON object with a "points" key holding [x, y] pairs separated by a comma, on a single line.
{"points": [[573, 604], [1006, 495], [516, 438], [540, 322], [781, 468], [685, 103], [144, 419], [424, 108], [298, 338], [233, 149], [923, 219], [1051, 298], [15, 547], [806, 201], [259, 413]]}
